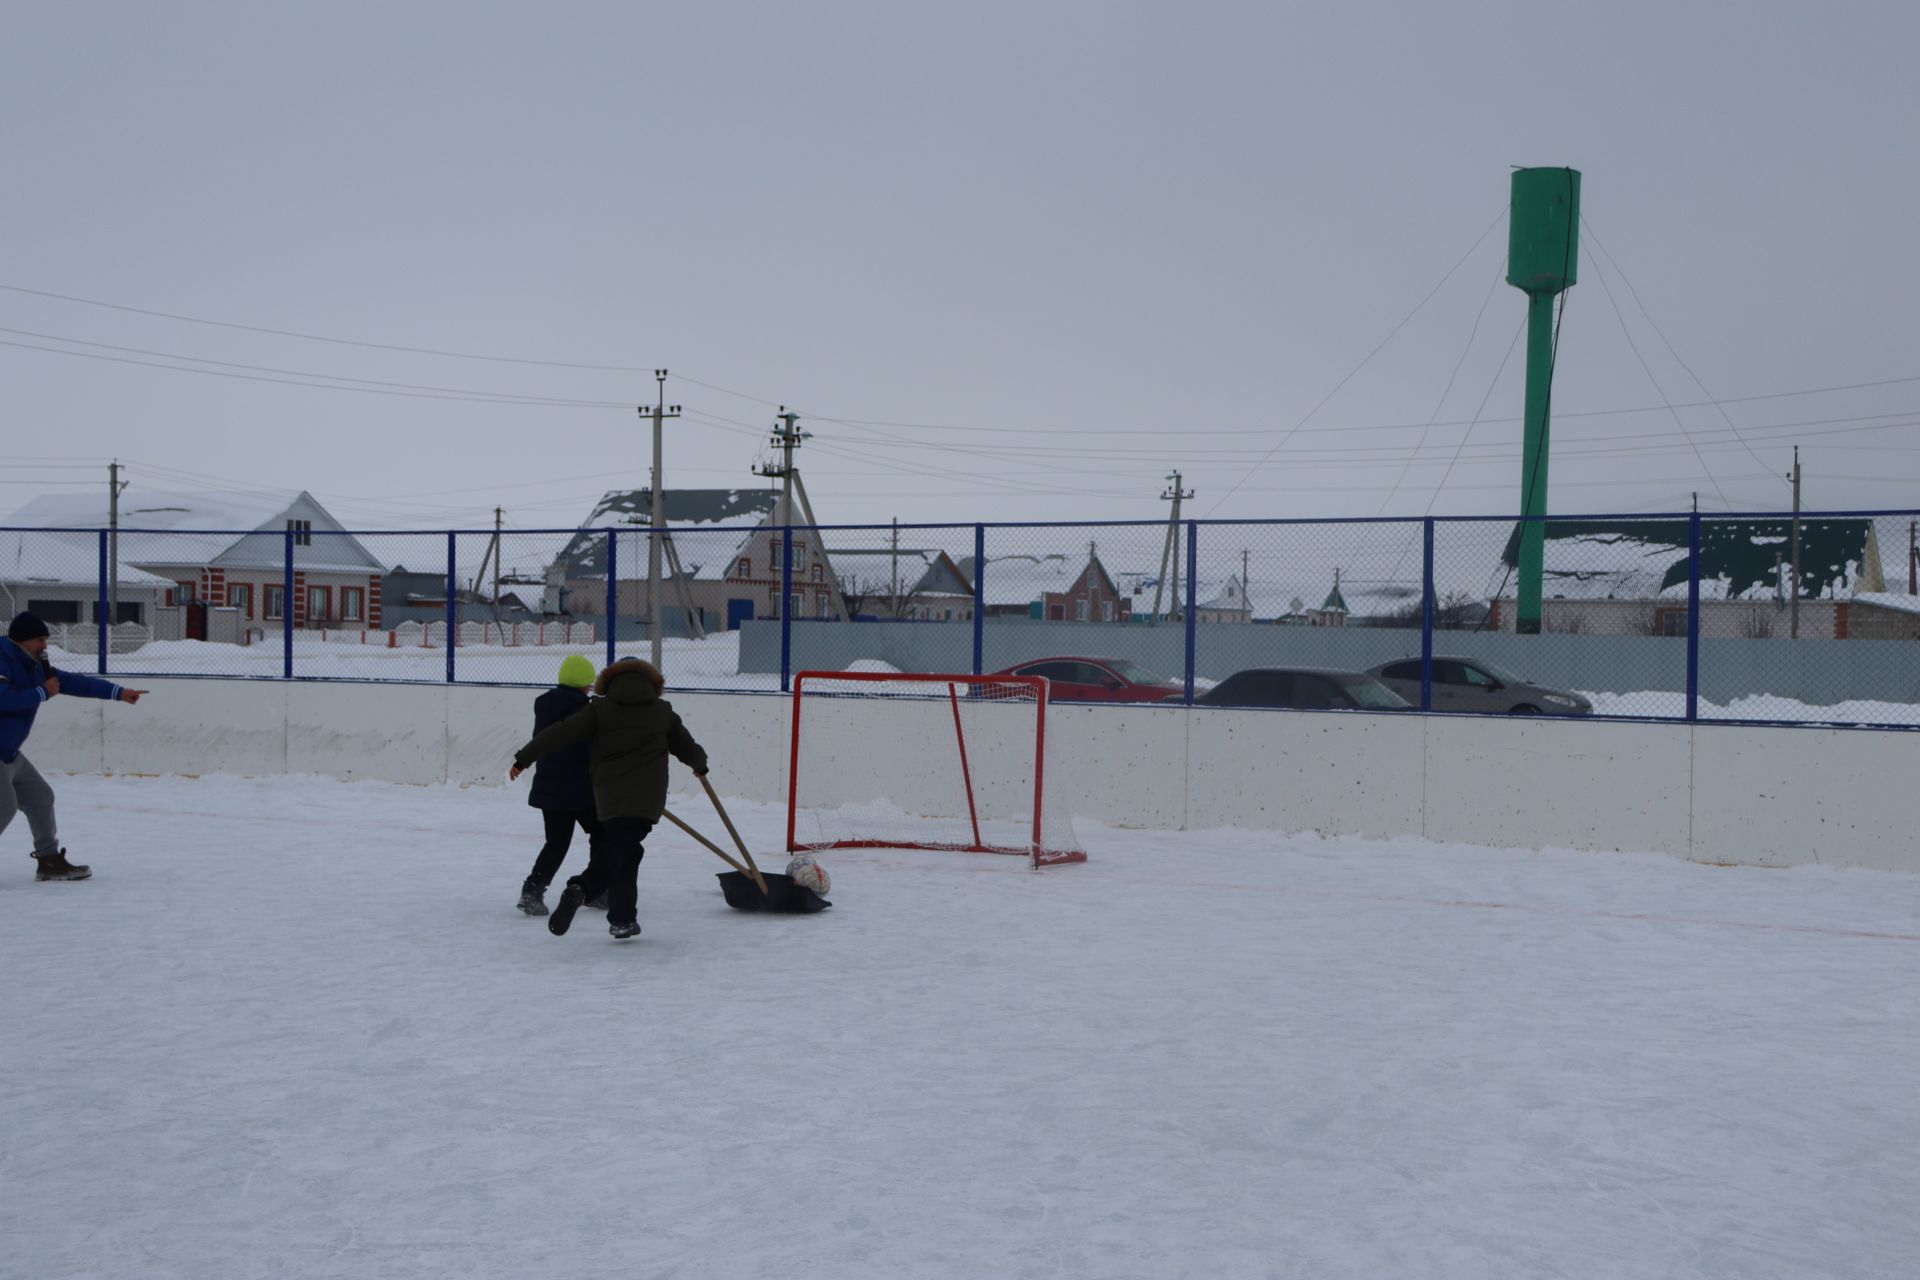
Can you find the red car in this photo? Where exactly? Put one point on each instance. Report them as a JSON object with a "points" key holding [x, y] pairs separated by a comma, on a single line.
{"points": [[1099, 680]]}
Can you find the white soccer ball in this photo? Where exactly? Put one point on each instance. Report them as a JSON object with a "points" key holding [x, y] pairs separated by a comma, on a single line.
{"points": [[808, 874]]}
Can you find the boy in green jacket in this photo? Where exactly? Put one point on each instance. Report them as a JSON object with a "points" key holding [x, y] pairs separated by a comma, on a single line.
{"points": [[633, 731]]}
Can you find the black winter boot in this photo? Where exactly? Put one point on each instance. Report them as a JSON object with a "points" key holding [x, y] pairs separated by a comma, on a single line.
{"points": [[562, 918], [54, 866], [533, 898]]}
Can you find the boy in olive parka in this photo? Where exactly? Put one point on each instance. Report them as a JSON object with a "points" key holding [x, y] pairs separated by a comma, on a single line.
{"points": [[632, 731]]}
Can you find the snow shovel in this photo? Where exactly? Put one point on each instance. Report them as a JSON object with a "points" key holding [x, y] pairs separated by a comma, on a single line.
{"points": [[777, 893]]}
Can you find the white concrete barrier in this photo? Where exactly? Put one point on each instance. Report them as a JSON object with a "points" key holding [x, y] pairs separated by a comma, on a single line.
{"points": [[1717, 793]]}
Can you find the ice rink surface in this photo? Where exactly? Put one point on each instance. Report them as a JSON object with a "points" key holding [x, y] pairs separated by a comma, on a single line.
{"points": [[295, 1028]]}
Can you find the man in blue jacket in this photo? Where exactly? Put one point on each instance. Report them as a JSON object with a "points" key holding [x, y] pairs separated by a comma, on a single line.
{"points": [[27, 679]]}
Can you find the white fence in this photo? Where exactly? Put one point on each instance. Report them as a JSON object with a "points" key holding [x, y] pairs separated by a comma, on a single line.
{"points": [[84, 637], [433, 635]]}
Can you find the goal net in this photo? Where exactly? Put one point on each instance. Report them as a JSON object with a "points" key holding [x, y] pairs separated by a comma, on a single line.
{"points": [[910, 761]]}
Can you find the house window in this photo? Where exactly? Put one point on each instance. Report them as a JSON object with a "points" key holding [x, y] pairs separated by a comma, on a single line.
{"points": [[302, 531], [55, 611], [1106, 611], [276, 603], [1056, 613], [795, 607], [820, 603], [350, 603], [819, 573], [1080, 609], [240, 596], [1671, 622], [128, 611], [185, 594], [319, 603], [746, 567]]}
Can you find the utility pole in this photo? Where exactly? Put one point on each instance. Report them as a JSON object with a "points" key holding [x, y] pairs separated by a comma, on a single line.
{"points": [[1170, 549], [1246, 596], [498, 516], [114, 487], [786, 437], [893, 590], [661, 411], [1913, 558], [1793, 615]]}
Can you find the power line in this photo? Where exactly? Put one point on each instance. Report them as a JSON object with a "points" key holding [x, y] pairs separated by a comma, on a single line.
{"points": [[1648, 370], [1648, 317], [370, 384], [316, 337], [1404, 322]]}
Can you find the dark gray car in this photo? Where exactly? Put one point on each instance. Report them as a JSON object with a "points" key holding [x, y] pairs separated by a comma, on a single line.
{"points": [[1474, 684], [1302, 689]]}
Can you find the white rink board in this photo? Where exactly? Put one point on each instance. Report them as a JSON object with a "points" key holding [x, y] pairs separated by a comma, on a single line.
{"points": [[1761, 796], [1564, 784], [1840, 797], [198, 726], [1284, 771]]}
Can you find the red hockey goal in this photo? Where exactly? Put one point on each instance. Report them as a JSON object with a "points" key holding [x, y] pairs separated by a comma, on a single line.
{"points": [[884, 759]]}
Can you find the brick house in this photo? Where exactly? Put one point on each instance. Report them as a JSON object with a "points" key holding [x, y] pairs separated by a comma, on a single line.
{"points": [[1091, 597]]}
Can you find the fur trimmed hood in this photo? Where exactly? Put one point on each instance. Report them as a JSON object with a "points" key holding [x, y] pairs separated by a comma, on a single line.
{"points": [[648, 685]]}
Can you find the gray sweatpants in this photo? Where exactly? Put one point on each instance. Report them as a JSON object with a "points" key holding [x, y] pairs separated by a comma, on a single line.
{"points": [[22, 789]]}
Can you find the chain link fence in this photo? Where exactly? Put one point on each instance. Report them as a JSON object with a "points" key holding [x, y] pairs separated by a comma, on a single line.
{"points": [[1761, 618]]}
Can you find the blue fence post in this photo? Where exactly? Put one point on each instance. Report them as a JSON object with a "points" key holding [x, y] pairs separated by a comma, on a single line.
{"points": [[286, 609], [1426, 618], [1693, 617], [100, 607], [1193, 595], [453, 605], [979, 597], [613, 595], [786, 608]]}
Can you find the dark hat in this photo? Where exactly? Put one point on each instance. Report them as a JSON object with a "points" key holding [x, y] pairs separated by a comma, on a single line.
{"points": [[26, 626]]}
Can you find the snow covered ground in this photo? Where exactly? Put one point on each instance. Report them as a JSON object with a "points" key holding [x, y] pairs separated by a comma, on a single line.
{"points": [[294, 1028]]}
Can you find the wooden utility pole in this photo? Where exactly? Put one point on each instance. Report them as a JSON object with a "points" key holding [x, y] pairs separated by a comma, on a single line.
{"points": [[1246, 596], [786, 437], [893, 590], [498, 517], [1793, 615], [1170, 549], [114, 487], [1913, 558], [657, 500]]}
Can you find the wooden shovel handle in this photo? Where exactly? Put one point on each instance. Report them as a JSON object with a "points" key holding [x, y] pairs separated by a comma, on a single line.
{"points": [[722, 854], [738, 843]]}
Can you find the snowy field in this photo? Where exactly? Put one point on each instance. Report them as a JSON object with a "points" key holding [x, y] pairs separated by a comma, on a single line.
{"points": [[294, 1028]]}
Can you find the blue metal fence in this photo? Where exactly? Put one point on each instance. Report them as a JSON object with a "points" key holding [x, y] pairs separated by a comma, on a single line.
{"points": [[1695, 618]]}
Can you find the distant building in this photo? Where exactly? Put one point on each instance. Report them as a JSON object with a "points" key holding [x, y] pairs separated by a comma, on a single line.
{"points": [[1090, 597], [1333, 611], [229, 550], [728, 549], [1632, 577]]}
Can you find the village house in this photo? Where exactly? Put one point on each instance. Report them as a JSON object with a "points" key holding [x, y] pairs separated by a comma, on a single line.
{"points": [[229, 551]]}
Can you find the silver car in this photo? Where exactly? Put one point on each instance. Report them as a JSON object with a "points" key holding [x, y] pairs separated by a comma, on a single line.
{"points": [[1474, 684]]}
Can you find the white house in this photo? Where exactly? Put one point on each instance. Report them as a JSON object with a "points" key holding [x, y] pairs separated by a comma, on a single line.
{"points": [[229, 550]]}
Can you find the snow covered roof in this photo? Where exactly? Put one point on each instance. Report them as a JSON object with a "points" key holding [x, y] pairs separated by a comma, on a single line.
{"points": [[1739, 559], [689, 512], [185, 517], [61, 559], [1899, 601]]}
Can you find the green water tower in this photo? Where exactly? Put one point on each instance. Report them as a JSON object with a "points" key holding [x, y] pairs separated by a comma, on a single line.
{"points": [[1543, 250]]}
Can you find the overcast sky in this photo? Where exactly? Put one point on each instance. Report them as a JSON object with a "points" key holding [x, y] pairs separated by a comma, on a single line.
{"points": [[1008, 261]]}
